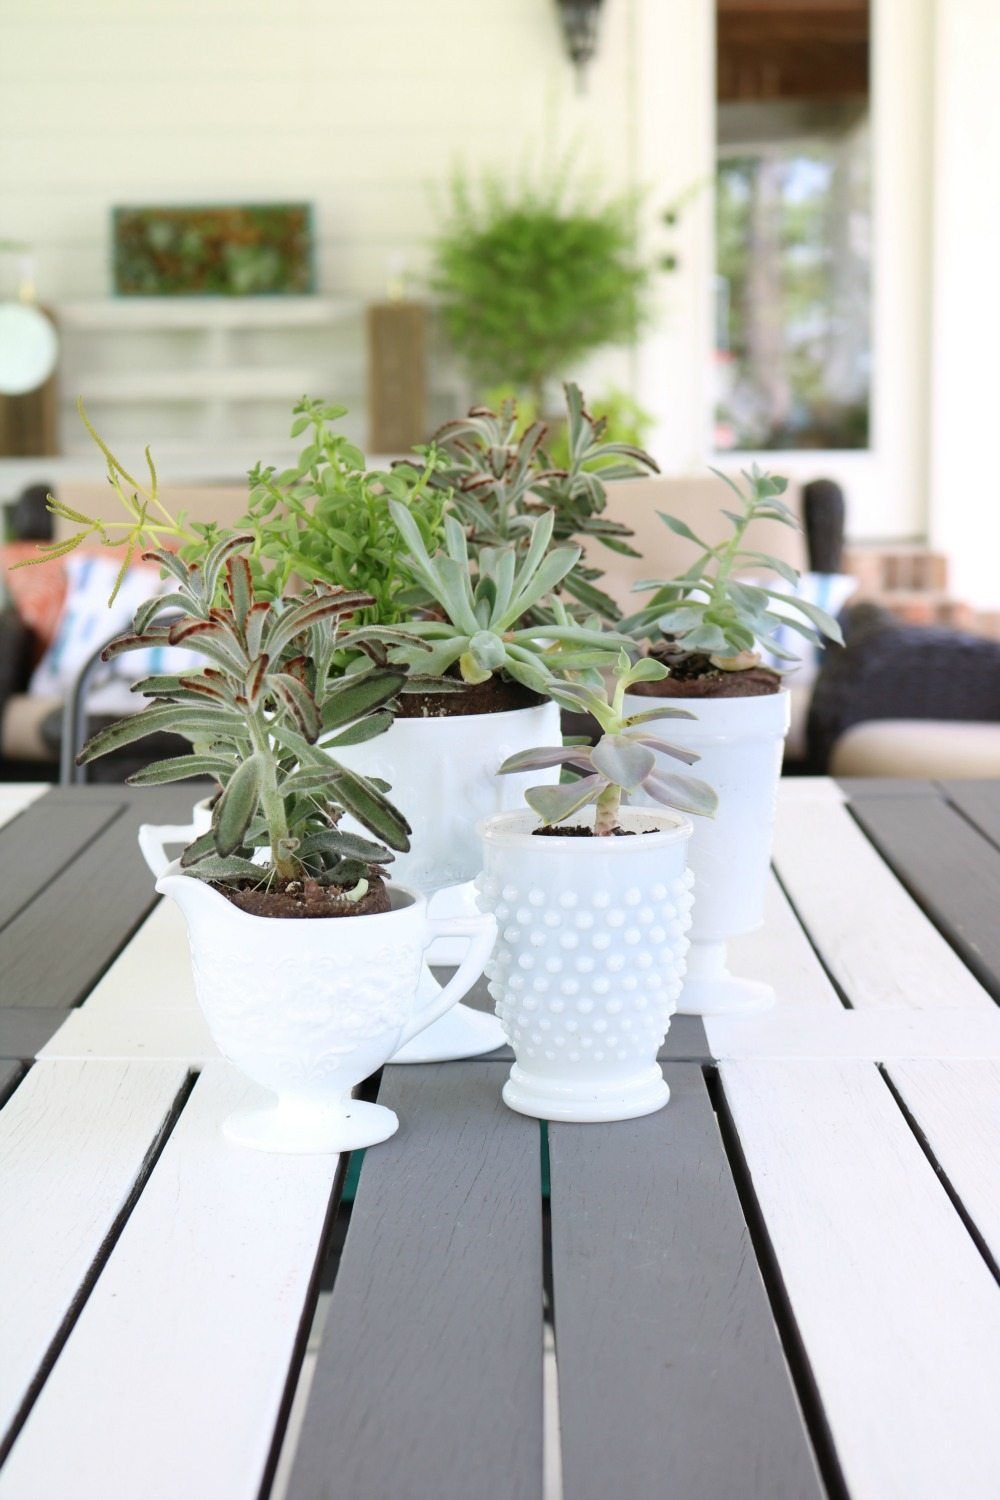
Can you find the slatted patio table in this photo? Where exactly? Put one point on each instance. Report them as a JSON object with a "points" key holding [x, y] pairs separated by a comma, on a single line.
{"points": [[780, 1287]]}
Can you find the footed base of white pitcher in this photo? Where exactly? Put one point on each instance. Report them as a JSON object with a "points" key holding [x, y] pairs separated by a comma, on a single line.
{"points": [[729, 996], [710, 990], [298, 1129], [461, 1032], [586, 1101]]}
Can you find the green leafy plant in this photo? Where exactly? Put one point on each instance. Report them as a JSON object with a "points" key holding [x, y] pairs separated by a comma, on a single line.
{"points": [[532, 279], [255, 716], [709, 610], [501, 477], [621, 763], [485, 609], [327, 520]]}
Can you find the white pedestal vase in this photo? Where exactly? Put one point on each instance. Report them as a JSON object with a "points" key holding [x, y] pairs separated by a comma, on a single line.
{"points": [[592, 934], [309, 1007], [443, 774], [740, 742]]}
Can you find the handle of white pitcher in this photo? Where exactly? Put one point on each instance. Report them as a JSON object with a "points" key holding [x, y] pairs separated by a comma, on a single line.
{"points": [[153, 837], [483, 932]]}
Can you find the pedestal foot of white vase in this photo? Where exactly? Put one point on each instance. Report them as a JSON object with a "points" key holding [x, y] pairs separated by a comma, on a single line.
{"points": [[462, 1032], [299, 1129], [554, 1099], [711, 990]]}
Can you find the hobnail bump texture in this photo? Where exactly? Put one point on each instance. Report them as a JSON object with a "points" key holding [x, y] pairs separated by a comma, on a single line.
{"points": [[586, 970]]}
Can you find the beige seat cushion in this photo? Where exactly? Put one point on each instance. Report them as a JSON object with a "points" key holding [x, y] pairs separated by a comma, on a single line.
{"points": [[21, 728], [917, 747], [699, 502]]}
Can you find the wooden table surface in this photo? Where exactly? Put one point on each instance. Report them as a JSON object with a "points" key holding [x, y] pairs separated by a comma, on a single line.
{"points": [[782, 1286]]}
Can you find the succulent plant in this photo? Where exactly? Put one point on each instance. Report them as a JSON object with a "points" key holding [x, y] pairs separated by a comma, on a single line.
{"points": [[708, 610], [502, 478], [623, 761], [254, 716], [486, 609]]}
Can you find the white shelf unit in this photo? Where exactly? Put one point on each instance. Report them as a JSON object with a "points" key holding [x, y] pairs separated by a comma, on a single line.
{"points": [[196, 375]]}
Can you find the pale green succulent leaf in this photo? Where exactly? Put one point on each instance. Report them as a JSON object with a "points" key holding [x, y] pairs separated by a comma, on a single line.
{"points": [[622, 761]]}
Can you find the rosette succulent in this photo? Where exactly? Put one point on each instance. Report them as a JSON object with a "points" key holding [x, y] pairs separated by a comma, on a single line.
{"points": [[486, 609], [625, 759], [502, 478]]}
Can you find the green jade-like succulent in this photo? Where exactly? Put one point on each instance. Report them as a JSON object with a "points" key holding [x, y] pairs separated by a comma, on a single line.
{"points": [[709, 610], [624, 760]]}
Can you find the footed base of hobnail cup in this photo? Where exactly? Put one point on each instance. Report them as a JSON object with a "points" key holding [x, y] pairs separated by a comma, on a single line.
{"points": [[460, 1032], [311, 1130], [585, 1101], [710, 990]]}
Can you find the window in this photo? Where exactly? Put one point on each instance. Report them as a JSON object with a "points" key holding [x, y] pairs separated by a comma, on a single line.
{"points": [[793, 222]]}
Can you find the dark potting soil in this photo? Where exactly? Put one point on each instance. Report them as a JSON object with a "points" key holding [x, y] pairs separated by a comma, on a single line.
{"points": [[581, 831], [496, 695], [304, 898], [692, 675]]}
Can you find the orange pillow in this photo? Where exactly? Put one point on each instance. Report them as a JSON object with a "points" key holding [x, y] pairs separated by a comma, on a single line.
{"points": [[38, 593]]}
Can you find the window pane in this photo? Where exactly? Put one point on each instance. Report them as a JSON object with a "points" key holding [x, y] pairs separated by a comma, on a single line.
{"points": [[793, 224]]}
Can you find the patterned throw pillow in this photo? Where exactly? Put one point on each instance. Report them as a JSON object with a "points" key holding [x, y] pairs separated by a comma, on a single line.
{"points": [[37, 593], [87, 622]]}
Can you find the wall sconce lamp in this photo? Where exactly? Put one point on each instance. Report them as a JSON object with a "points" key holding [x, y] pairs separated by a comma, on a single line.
{"points": [[580, 20]]}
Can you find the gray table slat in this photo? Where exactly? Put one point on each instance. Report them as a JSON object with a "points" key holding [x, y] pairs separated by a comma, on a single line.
{"points": [[428, 1382], [24, 1030], [672, 1378], [10, 1073], [979, 801], [54, 950], [686, 1040], [952, 870], [40, 842], [858, 787]]}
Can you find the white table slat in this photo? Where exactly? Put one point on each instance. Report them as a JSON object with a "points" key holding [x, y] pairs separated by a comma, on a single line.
{"points": [[898, 1311], [171, 1381], [872, 1035], [873, 936], [780, 954], [795, 790], [15, 796], [956, 1105], [144, 1006], [73, 1139]]}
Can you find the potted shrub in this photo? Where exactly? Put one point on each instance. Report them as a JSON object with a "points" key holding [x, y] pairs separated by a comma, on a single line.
{"points": [[532, 279], [306, 959], [592, 901], [711, 628]]}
